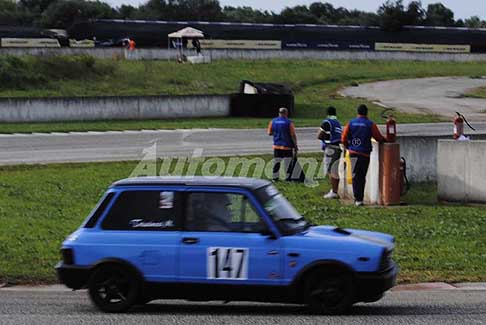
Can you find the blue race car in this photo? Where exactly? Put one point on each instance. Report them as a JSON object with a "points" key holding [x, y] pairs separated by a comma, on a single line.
{"points": [[229, 239]]}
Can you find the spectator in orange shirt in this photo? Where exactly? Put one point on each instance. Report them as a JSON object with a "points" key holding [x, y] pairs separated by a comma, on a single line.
{"points": [[131, 44], [356, 138]]}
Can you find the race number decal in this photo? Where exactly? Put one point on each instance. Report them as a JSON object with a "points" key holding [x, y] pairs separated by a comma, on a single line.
{"points": [[227, 263]]}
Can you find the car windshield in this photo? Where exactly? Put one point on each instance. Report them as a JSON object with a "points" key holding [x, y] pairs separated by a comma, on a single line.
{"points": [[288, 220]]}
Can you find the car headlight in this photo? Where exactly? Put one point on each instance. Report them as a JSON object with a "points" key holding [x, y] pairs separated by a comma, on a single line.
{"points": [[386, 259], [67, 256]]}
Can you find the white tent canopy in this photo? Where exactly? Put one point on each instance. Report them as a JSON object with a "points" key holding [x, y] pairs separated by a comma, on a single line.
{"points": [[187, 32], [180, 35]]}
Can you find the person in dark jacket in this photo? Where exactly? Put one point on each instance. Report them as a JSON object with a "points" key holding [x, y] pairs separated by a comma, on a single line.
{"points": [[284, 142], [330, 135], [197, 46], [356, 138]]}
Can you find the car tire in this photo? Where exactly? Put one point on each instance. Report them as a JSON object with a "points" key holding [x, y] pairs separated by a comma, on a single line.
{"points": [[143, 301], [329, 292], [113, 288], [374, 298]]}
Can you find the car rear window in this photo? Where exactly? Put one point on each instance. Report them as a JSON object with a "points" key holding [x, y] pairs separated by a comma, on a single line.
{"points": [[95, 216], [142, 210]]}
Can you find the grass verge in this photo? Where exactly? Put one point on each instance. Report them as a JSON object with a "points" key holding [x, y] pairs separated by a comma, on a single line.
{"points": [[40, 205], [479, 92], [315, 84], [195, 123], [34, 73]]}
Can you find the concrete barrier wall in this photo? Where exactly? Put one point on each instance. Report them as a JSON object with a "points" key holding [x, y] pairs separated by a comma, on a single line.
{"points": [[101, 53], [164, 54], [461, 176], [420, 152], [112, 108], [342, 55]]}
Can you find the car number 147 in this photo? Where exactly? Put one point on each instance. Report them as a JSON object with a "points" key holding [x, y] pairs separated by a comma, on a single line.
{"points": [[227, 263]]}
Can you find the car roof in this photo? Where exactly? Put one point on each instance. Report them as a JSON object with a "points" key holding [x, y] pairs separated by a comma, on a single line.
{"points": [[244, 182]]}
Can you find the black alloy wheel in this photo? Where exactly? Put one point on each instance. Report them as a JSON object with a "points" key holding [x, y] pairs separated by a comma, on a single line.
{"points": [[329, 293], [113, 288]]}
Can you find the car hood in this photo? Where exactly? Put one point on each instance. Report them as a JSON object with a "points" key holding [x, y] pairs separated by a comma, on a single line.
{"points": [[368, 236]]}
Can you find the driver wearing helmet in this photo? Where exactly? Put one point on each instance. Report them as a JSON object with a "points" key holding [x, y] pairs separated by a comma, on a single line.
{"points": [[210, 212]]}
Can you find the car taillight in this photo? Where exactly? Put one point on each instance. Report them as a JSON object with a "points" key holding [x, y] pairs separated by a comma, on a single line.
{"points": [[67, 256]]}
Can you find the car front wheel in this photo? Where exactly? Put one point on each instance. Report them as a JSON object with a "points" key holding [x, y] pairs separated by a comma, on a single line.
{"points": [[113, 288], [329, 292]]}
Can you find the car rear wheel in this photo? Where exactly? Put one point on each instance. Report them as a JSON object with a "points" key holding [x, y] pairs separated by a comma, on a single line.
{"points": [[113, 288], [329, 292]]}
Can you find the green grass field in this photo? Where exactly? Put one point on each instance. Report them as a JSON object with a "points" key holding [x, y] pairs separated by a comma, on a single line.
{"points": [[477, 93], [41, 205], [315, 84]]}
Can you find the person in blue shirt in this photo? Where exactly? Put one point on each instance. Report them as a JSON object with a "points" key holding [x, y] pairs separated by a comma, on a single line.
{"points": [[330, 136], [356, 138], [284, 142]]}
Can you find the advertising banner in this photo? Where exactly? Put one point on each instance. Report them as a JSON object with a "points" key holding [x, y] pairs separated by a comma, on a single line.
{"points": [[82, 43], [410, 47], [328, 45], [29, 42], [240, 44]]}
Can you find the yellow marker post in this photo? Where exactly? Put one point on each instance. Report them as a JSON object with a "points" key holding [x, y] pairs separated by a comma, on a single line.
{"points": [[349, 171]]}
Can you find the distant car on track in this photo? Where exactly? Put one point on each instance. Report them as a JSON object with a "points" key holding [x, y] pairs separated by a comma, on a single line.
{"points": [[230, 239]]}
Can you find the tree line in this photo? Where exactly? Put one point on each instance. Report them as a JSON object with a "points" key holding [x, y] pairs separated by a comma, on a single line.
{"points": [[391, 16]]}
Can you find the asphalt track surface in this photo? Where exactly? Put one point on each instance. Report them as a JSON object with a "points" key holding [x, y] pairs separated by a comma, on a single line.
{"points": [[399, 307], [135, 145], [441, 96]]}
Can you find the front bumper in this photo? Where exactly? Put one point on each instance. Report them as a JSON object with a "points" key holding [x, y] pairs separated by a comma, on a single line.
{"points": [[74, 277], [371, 286]]}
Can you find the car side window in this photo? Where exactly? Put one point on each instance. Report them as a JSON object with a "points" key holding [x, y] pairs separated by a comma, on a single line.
{"points": [[142, 210], [221, 212]]}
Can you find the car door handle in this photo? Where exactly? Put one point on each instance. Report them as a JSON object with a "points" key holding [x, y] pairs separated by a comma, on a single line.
{"points": [[190, 240], [293, 254]]}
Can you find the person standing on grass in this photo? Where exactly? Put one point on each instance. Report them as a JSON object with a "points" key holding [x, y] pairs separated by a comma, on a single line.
{"points": [[356, 138], [330, 135], [197, 46], [284, 142], [131, 44]]}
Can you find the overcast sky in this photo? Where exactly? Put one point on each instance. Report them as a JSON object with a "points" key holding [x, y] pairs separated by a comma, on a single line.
{"points": [[461, 8]]}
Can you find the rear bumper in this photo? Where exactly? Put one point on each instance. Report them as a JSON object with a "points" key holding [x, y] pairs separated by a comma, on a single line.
{"points": [[371, 286], [74, 277]]}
